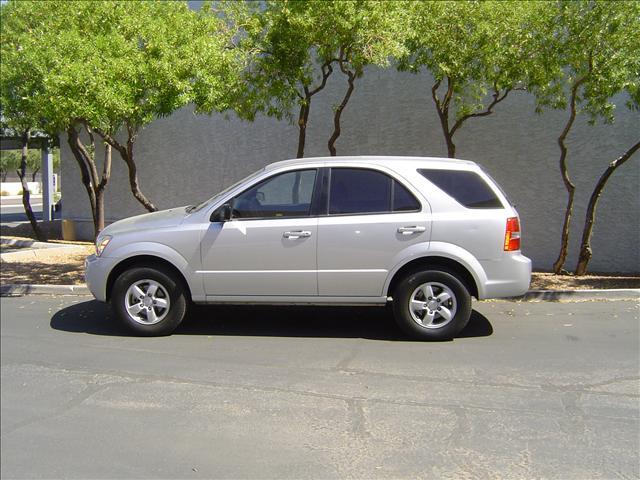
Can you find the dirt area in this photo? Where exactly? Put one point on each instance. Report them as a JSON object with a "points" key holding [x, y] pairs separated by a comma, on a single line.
{"points": [[549, 281], [54, 268], [68, 269]]}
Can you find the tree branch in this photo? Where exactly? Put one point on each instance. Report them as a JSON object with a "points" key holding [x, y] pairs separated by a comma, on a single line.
{"points": [[497, 98]]}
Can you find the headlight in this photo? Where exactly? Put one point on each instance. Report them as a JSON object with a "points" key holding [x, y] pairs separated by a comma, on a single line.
{"points": [[101, 243]]}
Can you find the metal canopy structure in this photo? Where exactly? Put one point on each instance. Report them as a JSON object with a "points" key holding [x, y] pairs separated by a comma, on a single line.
{"points": [[43, 143]]}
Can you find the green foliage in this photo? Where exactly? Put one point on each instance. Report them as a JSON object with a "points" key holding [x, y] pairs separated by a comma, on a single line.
{"points": [[476, 48], [10, 160], [108, 63], [596, 46], [294, 43]]}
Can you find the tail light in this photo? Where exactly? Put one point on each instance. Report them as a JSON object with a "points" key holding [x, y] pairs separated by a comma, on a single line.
{"points": [[512, 235]]}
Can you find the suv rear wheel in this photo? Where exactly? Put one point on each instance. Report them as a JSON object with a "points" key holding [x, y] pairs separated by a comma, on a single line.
{"points": [[148, 301], [431, 305]]}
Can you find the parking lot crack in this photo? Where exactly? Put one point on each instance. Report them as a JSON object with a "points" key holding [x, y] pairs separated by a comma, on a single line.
{"points": [[90, 390], [358, 417], [344, 363]]}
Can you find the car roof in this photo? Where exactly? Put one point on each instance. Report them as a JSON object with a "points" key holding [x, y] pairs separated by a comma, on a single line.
{"points": [[437, 162]]}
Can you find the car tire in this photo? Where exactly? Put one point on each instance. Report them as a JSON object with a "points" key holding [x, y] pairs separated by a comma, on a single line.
{"points": [[149, 301], [431, 305]]}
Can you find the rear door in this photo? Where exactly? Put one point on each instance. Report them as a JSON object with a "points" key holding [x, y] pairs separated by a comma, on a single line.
{"points": [[370, 218]]}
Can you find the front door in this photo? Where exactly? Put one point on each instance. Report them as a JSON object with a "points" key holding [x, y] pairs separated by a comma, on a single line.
{"points": [[268, 248]]}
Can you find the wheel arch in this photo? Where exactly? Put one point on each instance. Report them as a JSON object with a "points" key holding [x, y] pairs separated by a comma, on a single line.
{"points": [[431, 263], [145, 260]]}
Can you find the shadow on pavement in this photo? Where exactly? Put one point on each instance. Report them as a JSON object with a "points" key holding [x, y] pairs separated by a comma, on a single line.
{"points": [[373, 323]]}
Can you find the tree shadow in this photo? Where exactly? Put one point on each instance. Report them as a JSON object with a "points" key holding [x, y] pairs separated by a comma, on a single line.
{"points": [[374, 323]]}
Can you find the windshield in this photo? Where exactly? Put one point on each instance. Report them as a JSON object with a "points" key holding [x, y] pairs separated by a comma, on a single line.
{"points": [[200, 206]]}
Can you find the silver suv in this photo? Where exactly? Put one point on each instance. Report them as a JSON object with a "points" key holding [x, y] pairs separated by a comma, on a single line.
{"points": [[425, 234]]}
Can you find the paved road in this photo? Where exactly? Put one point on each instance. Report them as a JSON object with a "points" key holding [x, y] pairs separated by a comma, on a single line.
{"points": [[12, 211], [528, 390]]}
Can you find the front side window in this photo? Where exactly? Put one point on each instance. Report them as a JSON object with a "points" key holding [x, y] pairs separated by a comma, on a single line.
{"points": [[285, 195]]}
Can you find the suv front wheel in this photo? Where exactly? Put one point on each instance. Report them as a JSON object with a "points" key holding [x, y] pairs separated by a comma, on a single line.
{"points": [[148, 301], [431, 305]]}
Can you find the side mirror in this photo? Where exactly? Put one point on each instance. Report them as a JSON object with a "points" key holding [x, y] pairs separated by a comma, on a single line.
{"points": [[222, 214]]}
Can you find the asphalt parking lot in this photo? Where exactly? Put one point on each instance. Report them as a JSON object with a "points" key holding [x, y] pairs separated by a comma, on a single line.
{"points": [[528, 390]]}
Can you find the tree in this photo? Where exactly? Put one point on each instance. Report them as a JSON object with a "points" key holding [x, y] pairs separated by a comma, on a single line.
{"points": [[477, 53], [18, 109], [9, 161], [297, 46], [289, 63], [153, 50], [596, 55], [358, 34], [221, 52], [106, 69], [43, 41], [587, 230]]}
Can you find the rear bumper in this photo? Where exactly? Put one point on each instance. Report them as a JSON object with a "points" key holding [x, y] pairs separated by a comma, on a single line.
{"points": [[508, 277], [96, 273]]}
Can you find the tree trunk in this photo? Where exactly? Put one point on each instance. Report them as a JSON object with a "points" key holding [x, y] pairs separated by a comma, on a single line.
{"points": [[444, 115], [22, 173], [585, 244], [558, 265], [3, 176], [351, 76], [94, 185], [133, 177], [305, 107], [82, 158], [451, 147], [564, 239], [33, 175], [303, 118], [442, 107], [106, 175], [126, 153], [98, 221]]}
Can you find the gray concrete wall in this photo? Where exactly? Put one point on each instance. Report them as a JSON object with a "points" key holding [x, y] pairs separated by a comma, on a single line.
{"points": [[185, 158]]}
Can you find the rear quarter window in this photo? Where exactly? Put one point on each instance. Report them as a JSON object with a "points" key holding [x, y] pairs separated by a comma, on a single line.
{"points": [[467, 188]]}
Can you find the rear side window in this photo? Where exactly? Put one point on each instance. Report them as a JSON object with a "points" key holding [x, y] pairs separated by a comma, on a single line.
{"points": [[359, 190], [403, 199], [467, 188]]}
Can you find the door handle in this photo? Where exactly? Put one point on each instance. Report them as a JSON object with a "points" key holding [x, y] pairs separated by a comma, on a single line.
{"points": [[297, 234], [411, 230]]}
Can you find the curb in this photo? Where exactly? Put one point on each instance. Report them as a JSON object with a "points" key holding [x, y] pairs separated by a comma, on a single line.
{"points": [[29, 243], [35, 253], [14, 289], [578, 295], [18, 290]]}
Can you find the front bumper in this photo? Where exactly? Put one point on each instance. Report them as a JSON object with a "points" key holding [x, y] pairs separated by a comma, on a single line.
{"points": [[96, 274]]}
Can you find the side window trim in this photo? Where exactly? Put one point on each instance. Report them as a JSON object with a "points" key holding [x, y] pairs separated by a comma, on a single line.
{"points": [[260, 182], [320, 197], [393, 180]]}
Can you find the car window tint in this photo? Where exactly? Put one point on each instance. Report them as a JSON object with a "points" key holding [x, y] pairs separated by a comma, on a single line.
{"points": [[356, 190], [467, 188], [403, 199], [285, 195]]}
